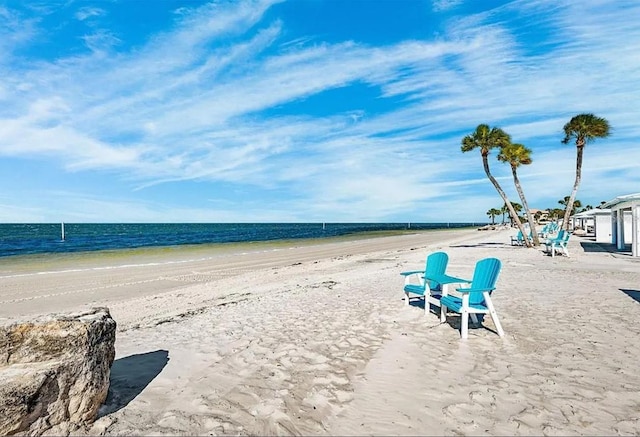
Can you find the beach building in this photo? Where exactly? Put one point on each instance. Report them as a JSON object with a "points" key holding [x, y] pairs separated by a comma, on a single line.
{"points": [[598, 222], [625, 209], [543, 214]]}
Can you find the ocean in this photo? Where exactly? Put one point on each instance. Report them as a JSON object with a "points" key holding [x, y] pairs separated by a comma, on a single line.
{"points": [[29, 239]]}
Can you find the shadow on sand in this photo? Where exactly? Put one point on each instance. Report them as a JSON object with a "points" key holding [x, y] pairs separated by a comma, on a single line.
{"points": [[419, 303], [592, 246], [129, 376], [634, 294], [479, 245], [435, 310]]}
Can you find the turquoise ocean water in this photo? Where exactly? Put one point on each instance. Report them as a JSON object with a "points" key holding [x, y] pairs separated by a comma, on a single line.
{"points": [[28, 239]]}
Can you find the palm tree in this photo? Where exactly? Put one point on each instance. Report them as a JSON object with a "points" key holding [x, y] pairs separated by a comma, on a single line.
{"points": [[503, 211], [485, 139], [584, 128], [565, 202], [537, 216], [558, 212], [517, 155], [516, 207], [493, 212]]}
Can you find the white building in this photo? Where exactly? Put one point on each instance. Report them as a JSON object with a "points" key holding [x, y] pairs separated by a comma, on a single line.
{"points": [[625, 209]]}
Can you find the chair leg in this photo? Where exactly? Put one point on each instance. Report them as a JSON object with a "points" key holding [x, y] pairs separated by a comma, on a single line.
{"points": [[494, 314], [406, 298], [464, 324], [494, 317], [474, 318], [443, 313]]}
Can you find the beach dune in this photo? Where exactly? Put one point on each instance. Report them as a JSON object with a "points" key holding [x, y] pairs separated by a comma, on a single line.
{"points": [[316, 340]]}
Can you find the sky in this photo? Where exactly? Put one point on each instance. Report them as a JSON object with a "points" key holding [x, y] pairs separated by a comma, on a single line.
{"points": [[307, 110]]}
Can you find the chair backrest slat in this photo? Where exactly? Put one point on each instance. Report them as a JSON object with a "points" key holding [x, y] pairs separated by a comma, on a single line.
{"points": [[436, 266], [485, 276]]}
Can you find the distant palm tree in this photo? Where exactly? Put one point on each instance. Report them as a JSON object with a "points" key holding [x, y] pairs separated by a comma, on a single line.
{"points": [[558, 212], [516, 155], [503, 211], [538, 215], [565, 202], [485, 139], [584, 128], [550, 215], [555, 213], [493, 212], [517, 208]]}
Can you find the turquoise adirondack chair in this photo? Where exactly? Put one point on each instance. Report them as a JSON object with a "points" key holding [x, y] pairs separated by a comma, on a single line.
{"points": [[558, 244], [415, 282], [545, 231], [518, 240], [476, 299]]}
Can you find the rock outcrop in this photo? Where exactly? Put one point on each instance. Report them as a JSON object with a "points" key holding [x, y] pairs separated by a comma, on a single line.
{"points": [[54, 372]]}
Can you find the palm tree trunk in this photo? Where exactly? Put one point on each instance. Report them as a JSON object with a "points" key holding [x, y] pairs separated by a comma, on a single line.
{"points": [[572, 198], [532, 223], [512, 212]]}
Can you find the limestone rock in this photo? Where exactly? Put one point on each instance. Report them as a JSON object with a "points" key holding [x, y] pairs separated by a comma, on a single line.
{"points": [[55, 371]]}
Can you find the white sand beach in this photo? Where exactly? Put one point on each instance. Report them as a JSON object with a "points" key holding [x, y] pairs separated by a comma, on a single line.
{"points": [[316, 340]]}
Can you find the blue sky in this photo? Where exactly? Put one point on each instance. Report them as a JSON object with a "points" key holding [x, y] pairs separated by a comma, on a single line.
{"points": [[306, 110]]}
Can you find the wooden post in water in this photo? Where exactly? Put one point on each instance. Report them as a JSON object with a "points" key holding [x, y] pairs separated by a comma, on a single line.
{"points": [[62, 230]]}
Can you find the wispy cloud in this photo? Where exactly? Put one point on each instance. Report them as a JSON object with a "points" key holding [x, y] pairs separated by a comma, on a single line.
{"points": [[88, 12], [210, 100], [445, 5]]}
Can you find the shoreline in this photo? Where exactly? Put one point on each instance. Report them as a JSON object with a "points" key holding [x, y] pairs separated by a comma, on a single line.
{"points": [[149, 254], [69, 282]]}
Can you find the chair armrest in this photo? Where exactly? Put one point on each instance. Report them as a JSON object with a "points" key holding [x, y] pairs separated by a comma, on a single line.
{"points": [[474, 290], [446, 279], [413, 272]]}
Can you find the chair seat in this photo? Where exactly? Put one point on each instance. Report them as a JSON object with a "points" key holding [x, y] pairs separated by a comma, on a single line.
{"points": [[418, 289], [414, 289], [422, 283], [455, 303]]}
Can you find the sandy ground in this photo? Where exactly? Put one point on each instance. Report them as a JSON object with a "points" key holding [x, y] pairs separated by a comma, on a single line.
{"points": [[317, 340]]}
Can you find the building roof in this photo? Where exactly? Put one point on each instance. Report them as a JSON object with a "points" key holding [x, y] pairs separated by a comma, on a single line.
{"points": [[591, 212], [628, 198]]}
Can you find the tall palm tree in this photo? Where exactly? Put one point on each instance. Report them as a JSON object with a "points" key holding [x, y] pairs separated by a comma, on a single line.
{"points": [[516, 155], [584, 128], [485, 139], [493, 212]]}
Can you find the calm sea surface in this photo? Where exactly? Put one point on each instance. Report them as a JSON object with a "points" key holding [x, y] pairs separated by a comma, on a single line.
{"points": [[27, 239]]}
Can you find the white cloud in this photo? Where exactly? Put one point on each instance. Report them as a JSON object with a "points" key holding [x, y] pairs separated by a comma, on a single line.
{"points": [[445, 5], [189, 106], [88, 12]]}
